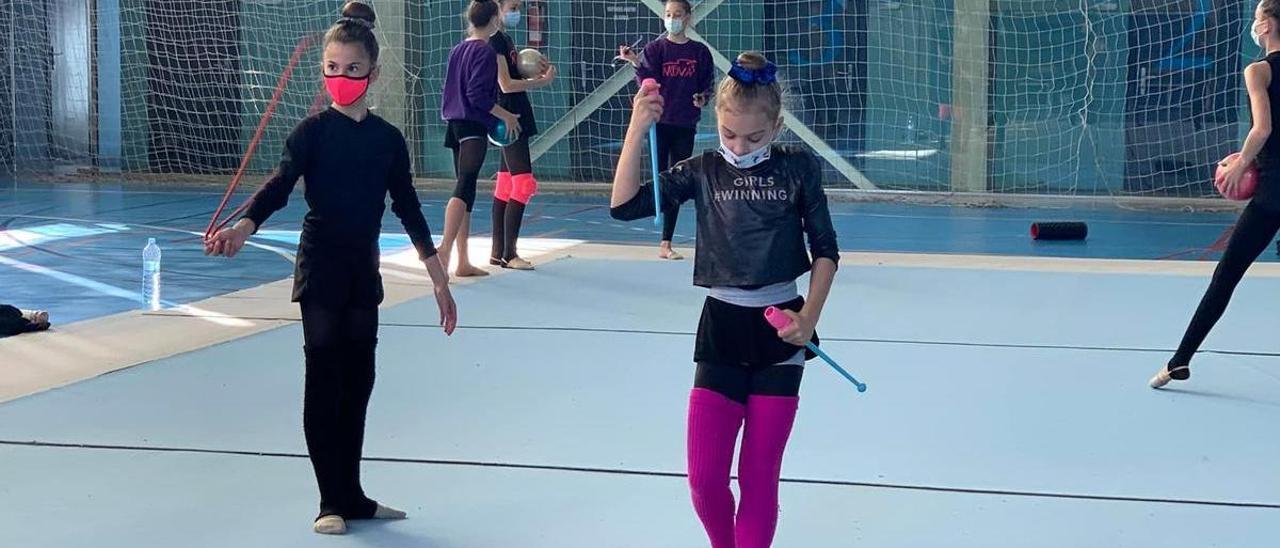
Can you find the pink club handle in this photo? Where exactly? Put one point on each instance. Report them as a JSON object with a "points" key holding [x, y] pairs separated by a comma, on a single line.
{"points": [[780, 320], [776, 318], [650, 85]]}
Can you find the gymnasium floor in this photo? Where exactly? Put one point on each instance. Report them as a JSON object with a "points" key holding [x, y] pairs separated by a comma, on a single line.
{"points": [[74, 249], [1007, 401]]}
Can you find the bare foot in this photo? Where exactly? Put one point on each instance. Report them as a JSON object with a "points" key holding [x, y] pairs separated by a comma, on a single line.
{"points": [[387, 512], [469, 271]]}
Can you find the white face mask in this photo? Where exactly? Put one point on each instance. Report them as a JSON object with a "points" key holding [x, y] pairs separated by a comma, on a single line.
{"points": [[1253, 33], [748, 160], [675, 26]]}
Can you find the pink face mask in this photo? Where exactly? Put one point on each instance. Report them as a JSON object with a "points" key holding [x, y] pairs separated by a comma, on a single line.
{"points": [[346, 90]]}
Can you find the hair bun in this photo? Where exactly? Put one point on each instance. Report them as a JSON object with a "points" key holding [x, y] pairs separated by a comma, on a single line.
{"points": [[752, 60], [359, 13]]}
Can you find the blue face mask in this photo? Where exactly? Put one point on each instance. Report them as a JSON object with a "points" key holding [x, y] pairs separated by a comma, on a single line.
{"points": [[674, 26], [511, 19]]}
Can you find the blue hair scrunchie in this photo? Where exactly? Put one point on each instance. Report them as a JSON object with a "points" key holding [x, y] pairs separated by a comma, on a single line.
{"points": [[762, 77]]}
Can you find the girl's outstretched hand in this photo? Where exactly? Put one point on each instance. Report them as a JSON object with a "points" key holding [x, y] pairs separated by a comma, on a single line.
{"points": [[629, 55], [228, 241]]}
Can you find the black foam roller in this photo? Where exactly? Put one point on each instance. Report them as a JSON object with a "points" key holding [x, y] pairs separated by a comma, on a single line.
{"points": [[1059, 231]]}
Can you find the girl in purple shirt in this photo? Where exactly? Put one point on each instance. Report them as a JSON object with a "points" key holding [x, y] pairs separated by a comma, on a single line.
{"points": [[470, 106], [686, 73]]}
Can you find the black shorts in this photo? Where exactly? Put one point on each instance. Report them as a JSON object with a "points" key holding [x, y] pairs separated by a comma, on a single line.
{"points": [[739, 383], [738, 335], [463, 130], [518, 103]]}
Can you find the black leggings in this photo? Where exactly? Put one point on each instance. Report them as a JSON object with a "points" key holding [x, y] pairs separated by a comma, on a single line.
{"points": [[675, 144], [737, 382], [340, 348], [508, 215], [1253, 233], [468, 158], [516, 158]]}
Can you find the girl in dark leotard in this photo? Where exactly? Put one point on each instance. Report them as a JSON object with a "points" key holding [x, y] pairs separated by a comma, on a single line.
{"points": [[351, 160], [1260, 220]]}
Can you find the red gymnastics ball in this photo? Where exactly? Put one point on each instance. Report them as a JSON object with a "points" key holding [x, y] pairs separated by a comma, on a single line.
{"points": [[1243, 189]]}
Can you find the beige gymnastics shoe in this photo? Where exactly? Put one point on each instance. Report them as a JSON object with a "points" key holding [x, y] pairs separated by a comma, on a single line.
{"points": [[331, 525], [1165, 375]]}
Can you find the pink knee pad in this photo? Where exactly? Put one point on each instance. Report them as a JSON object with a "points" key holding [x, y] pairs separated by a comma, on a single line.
{"points": [[503, 190], [523, 187]]}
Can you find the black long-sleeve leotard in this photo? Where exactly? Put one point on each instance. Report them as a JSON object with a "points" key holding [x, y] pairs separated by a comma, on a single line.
{"points": [[349, 168]]}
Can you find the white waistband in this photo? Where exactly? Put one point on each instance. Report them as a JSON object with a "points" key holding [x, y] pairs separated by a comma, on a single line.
{"points": [[757, 298]]}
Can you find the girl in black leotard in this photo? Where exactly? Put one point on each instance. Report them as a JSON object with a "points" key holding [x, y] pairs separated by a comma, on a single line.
{"points": [[1261, 218], [516, 184], [351, 160]]}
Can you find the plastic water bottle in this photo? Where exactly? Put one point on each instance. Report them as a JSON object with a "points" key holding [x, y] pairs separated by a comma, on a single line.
{"points": [[911, 130], [151, 275]]}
